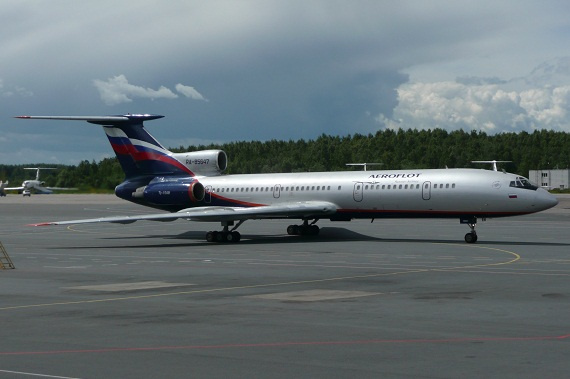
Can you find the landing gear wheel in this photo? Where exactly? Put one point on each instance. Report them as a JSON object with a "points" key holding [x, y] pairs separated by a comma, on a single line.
{"points": [[293, 230], [471, 237], [303, 230], [224, 235]]}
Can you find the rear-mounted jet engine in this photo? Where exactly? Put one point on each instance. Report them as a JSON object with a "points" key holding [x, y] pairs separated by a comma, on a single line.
{"points": [[167, 191]]}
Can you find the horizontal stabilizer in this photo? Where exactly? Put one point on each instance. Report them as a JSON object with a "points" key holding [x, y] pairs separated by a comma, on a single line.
{"points": [[100, 120]]}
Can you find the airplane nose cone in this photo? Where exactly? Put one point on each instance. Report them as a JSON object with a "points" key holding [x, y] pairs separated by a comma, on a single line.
{"points": [[545, 200]]}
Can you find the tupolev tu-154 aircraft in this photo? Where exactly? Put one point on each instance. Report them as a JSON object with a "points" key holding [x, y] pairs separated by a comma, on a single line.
{"points": [[35, 185], [191, 186]]}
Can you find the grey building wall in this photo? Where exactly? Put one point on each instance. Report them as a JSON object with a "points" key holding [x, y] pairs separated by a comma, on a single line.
{"points": [[551, 178]]}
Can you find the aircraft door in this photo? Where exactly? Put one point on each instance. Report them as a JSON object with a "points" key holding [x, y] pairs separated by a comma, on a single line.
{"points": [[208, 194], [358, 191], [277, 191], [426, 190]]}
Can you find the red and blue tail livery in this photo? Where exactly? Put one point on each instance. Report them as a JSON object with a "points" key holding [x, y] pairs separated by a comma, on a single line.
{"points": [[191, 186]]}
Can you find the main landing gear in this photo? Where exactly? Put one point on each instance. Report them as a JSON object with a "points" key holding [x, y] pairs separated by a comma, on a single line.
{"points": [[305, 229], [470, 237], [225, 235]]}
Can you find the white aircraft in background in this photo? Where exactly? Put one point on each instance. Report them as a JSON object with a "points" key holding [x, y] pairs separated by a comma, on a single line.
{"points": [[191, 186], [35, 185]]}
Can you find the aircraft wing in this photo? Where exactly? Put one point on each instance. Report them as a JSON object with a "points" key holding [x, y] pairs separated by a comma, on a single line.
{"points": [[302, 209], [62, 188], [13, 188]]}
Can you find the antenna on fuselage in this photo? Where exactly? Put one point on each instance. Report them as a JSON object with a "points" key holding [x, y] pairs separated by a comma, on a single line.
{"points": [[493, 163], [365, 165]]}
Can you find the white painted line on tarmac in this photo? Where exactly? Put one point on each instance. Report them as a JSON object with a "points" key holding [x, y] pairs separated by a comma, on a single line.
{"points": [[38, 375]]}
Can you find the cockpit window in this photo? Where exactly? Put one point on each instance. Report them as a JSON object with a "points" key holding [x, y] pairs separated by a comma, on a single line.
{"points": [[521, 182]]}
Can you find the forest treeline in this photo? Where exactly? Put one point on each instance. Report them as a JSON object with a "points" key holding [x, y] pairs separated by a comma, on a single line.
{"points": [[402, 149]]}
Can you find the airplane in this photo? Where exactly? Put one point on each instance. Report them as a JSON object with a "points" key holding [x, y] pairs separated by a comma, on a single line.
{"points": [[35, 185], [191, 186]]}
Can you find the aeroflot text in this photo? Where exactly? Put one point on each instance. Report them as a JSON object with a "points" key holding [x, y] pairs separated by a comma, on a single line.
{"points": [[393, 176]]}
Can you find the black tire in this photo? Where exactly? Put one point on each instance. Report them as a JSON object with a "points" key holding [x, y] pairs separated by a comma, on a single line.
{"points": [[471, 238]]}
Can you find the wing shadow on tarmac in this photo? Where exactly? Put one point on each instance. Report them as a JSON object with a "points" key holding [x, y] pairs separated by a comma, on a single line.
{"points": [[327, 234]]}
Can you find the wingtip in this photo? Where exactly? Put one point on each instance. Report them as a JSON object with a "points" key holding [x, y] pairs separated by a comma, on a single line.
{"points": [[42, 224], [22, 117]]}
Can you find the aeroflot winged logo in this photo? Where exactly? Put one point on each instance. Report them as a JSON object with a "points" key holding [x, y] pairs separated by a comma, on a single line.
{"points": [[394, 176]]}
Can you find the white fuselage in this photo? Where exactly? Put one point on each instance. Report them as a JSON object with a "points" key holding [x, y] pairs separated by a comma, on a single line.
{"points": [[401, 193]]}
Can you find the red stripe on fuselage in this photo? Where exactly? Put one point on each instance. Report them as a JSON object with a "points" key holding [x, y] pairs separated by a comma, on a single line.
{"points": [[239, 202], [130, 149], [428, 213]]}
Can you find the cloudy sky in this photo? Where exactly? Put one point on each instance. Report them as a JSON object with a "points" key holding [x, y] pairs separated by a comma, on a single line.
{"points": [[258, 70]]}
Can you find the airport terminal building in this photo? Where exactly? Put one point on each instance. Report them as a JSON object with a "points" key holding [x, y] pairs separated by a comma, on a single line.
{"points": [[551, 179]]}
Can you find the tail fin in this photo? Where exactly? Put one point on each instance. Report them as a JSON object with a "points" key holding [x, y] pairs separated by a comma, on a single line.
{"points": [[139, 153]]}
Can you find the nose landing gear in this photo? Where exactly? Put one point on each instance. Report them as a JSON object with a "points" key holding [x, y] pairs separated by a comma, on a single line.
{"points": [[471, 221]]}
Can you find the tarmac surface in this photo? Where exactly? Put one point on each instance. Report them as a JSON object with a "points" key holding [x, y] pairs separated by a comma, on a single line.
{"points": [[393, 298]]}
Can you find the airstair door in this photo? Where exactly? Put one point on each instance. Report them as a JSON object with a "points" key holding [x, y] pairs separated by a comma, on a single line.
{"points": [[358, 191], [426, 191]]}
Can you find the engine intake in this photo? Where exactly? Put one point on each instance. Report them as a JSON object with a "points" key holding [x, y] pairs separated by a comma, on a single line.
{"points": [[204, 162]]}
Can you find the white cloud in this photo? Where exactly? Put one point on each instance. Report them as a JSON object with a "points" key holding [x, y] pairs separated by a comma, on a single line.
{"points": [[14, 91], [488, 107], [118, 90], [190, 92]]}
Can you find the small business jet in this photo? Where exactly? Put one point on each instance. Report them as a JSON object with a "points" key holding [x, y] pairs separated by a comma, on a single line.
{"points": [[35, 185], [191, 186]]}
